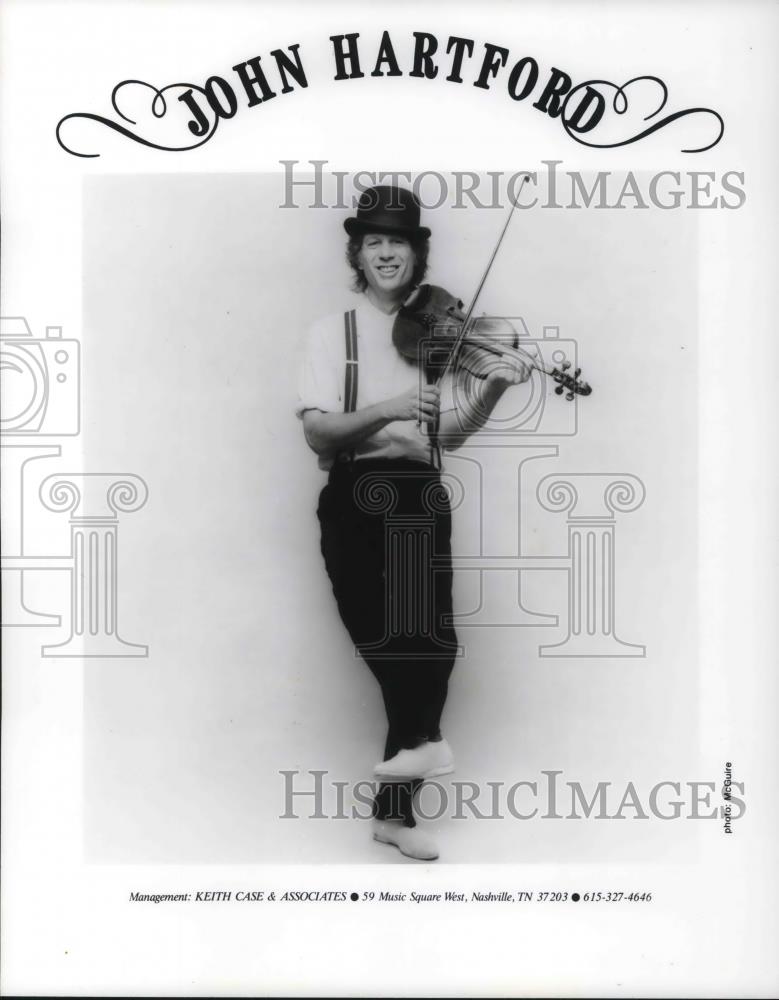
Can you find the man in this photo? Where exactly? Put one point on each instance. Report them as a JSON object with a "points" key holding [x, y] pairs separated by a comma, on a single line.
{"points": [[367, 414]]}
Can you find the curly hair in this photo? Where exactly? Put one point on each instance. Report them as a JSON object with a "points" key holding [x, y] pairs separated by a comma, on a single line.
{"points": [[419, 244]]}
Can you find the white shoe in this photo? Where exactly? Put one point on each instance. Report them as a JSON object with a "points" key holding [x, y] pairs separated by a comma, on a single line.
{"points": [[426, 761], [409, 840]]}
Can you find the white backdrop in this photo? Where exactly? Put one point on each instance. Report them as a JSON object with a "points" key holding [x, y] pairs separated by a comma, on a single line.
{"points": [[197, 293]]}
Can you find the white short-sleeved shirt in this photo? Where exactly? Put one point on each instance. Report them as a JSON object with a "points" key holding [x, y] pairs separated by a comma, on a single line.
{"points": [[382, 373]]}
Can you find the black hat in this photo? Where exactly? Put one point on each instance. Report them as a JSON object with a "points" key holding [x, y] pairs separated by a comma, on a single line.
{"points": [[386, 209]]}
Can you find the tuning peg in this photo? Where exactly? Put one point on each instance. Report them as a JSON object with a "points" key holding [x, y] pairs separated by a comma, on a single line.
{"points": [[577, 372], [559, 390], [569, 395], [565, 365]]}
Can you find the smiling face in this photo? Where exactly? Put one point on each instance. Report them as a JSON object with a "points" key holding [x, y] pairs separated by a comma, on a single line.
{"points": [[387, 263]]}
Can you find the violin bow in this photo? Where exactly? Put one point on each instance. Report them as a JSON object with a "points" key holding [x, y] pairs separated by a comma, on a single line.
{"points": [[433, 433], [464, 328]]}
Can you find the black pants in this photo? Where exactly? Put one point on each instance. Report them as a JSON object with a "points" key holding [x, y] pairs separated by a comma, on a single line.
{"points": [[386, 542]]}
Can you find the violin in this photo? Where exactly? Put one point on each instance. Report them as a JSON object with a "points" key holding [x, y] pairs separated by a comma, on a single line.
{"points": [[432, 329]]}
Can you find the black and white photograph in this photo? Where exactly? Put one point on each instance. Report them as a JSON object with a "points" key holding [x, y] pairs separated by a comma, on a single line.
{"points": [[409, 543], [388, 485]]}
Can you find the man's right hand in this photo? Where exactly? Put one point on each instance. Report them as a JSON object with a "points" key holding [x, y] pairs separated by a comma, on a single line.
{"points": [[416, 404], [330, 432]]}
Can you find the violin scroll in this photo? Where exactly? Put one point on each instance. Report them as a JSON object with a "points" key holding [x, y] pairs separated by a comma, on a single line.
{"points": [[572, 383]]}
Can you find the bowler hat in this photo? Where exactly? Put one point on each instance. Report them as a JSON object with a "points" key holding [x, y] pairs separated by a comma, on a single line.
{"points": [[386, 209]]}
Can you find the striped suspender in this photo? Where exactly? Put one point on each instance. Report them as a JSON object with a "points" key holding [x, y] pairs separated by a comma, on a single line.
{"points": [[350, 388], [350, 383]]}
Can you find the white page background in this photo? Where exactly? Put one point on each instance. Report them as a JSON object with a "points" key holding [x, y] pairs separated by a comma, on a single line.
{"points": [[67, 924]]}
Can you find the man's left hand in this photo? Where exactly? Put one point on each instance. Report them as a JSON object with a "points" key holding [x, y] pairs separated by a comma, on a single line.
{"points": [[507, 371]]}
